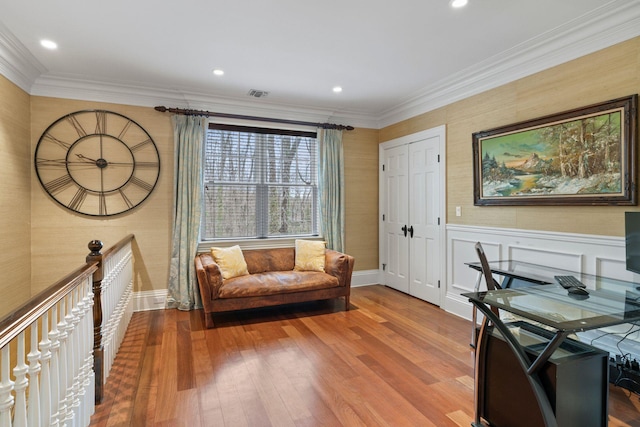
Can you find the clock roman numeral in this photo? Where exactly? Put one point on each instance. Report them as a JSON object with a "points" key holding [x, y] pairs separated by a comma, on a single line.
{"points": [[147, 164], [124, 130], [103, 203], [58, 184], [78, 199], [125, 198], [141, 145], [51, 138], [142, 184], [101, 122], [77, 126], [51, 162]]}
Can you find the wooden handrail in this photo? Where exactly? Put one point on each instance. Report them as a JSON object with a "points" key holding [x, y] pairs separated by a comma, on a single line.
{"points": [[17, 321], [115, 248]]}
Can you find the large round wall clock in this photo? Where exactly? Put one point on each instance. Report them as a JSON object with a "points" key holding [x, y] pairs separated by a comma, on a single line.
{"points": [[97, 162]]}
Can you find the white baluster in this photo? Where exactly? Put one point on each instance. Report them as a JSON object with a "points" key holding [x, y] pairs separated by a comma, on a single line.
{"points": [[33, 407], [62, 368], [87, 321], [45, 374], [77, 353], [55, 367], [83, 375], [79, 375], [6, 387], [20, 373], [71, 355]]}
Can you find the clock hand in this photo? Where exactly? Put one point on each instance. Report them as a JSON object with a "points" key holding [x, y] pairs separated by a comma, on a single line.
{"points": [[85, 158]]}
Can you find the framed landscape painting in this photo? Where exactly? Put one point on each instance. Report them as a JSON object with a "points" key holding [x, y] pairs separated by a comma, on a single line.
{"points": [[579, 157]]}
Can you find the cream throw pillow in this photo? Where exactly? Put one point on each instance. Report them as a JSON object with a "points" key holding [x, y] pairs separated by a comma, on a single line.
{"points": [[231, 261], [309, 255]]}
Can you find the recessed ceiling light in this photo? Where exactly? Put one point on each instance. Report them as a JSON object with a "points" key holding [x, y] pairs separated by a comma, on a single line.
{"points": [[218, 72], [337, 89], [458, 3], [49, 44]]}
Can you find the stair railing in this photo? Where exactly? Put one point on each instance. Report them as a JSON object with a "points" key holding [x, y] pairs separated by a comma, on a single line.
{"points": [[48, 373]]}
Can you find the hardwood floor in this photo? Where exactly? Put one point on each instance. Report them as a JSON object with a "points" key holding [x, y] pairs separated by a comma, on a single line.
{"points": [[392, 360]]}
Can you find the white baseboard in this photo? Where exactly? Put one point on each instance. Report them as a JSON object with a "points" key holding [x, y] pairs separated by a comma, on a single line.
{"points": [[365, 278], [150, 300]]}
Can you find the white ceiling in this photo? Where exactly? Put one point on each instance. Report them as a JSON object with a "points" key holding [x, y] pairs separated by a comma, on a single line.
{"points": [[393, 59]]}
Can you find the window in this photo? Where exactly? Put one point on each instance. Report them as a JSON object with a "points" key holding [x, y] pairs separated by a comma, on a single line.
{"points": [[259, 183]]}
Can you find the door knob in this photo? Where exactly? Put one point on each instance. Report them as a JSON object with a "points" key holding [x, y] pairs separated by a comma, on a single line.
{"points": [[405, 230], [410, 232]]}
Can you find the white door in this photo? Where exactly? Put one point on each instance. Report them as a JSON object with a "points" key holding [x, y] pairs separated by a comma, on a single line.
{"points": [[411, 205], [396, 218], [424, 205]]}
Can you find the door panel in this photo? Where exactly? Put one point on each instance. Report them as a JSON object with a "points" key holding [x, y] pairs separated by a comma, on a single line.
{"points": [[396, 217], [424, 202]]}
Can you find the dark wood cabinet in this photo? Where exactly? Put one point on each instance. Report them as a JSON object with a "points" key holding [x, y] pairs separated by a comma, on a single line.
{"points": [[575, 379]]}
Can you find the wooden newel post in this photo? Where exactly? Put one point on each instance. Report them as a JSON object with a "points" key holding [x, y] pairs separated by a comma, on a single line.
{"points": [[98, 349]]}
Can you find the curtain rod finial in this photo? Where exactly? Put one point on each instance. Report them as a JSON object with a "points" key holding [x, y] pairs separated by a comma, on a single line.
{"points": [[161, 109]]}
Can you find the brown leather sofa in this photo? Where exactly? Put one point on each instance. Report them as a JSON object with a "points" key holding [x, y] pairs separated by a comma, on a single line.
{"points": [[272, 281]]}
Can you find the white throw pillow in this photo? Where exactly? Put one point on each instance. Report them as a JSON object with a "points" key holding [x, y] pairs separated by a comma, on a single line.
{"points": [[231, 261], [310, 255]]}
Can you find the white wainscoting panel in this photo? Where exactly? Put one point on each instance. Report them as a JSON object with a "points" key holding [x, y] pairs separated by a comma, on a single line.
{"points": [[551, 256], [599, 255], [603, 255], [612, 267]]}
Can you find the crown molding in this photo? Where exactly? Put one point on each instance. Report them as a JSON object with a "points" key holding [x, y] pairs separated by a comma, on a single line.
{"points": [[16, 62], [614, 22], [71, 87]]}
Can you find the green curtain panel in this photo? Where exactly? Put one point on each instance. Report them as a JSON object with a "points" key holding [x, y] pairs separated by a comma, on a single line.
{"points": [[332, 188], [189, 134]]}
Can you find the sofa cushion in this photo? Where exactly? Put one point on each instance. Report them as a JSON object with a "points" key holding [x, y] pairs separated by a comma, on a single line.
{"points": [[231, 261], [263, 260], [310, 255], [276, 282]]}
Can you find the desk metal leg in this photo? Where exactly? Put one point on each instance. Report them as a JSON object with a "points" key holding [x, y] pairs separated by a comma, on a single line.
{"points": [[479, 371], [530, 369], [474, 312]]}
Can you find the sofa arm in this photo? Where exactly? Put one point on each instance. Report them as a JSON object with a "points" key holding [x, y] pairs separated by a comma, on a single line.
{"points": [[209, 277], [339, 265]]}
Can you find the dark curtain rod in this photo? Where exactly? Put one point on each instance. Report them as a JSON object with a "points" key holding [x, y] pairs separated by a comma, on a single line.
{"points": [[262, 119]]}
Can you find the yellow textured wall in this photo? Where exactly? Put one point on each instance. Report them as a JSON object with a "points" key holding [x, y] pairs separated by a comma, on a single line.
{"points": [[607, 74], [15, 175], [361, 197], [59, 237]]}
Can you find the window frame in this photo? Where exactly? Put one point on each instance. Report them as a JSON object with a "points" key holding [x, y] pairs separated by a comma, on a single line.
{"points": [[256, 242]]}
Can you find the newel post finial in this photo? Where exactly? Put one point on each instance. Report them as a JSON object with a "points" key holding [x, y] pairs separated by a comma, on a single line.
{"points": [[95, 246]]}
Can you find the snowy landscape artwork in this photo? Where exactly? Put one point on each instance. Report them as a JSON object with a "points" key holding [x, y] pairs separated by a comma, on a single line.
{"points": [[583, 156]]}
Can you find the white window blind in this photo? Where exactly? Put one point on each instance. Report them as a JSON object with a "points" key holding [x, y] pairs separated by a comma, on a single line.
{"points": [[259, 183]]}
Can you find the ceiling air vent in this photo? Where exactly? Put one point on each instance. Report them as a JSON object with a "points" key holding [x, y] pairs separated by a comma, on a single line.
{"points": [[258, 93]]}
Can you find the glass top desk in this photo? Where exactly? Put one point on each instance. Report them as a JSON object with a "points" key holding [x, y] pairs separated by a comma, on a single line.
{"points": [[534, 293], [531, 292]]}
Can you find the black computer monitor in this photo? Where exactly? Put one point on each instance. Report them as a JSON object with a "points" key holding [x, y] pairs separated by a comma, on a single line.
{"points": [[631, 304], [632, 240]]}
